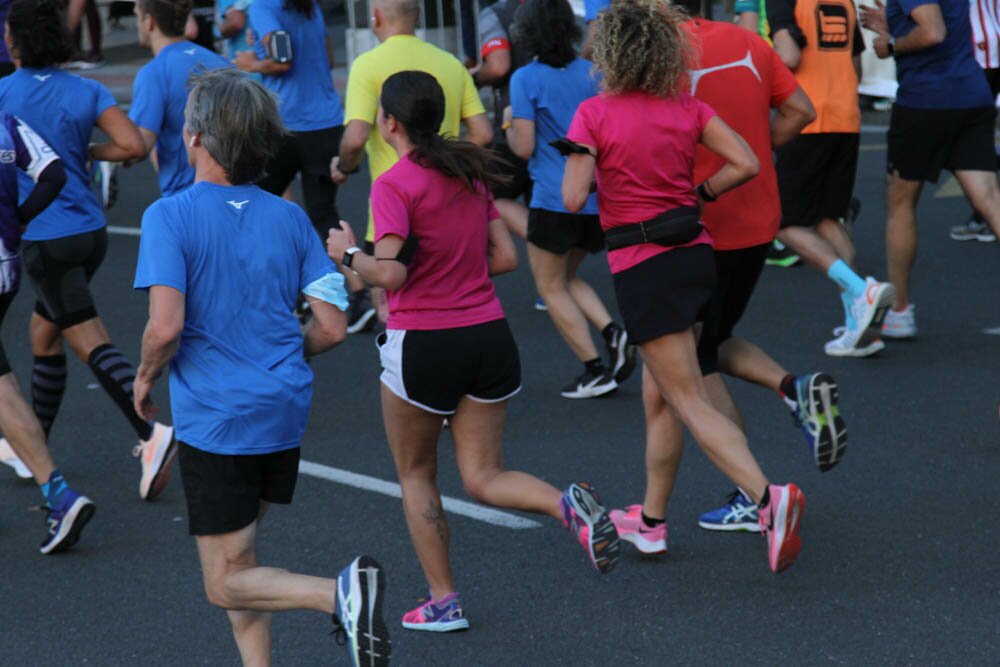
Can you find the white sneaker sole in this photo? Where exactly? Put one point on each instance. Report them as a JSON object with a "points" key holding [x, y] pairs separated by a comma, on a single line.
{"points": [[857, 352], [156, 476], [592, 391], [644, 545], [9, 458]]}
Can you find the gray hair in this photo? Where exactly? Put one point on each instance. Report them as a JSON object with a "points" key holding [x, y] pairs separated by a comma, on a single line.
{"points": [[237, 119]]}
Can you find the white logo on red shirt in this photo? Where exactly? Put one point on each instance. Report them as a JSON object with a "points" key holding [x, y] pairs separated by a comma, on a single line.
{"points": [[747, 62]]}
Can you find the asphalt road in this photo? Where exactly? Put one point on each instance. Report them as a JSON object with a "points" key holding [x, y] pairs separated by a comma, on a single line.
{"points": [[899, 562]]}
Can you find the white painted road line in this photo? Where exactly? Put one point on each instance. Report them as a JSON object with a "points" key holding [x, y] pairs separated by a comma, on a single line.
{"points": [[995, 331], [127, 231], [452, 505]]}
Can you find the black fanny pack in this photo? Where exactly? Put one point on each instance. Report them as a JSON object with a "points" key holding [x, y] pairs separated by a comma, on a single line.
{"points": [[674, 227]]}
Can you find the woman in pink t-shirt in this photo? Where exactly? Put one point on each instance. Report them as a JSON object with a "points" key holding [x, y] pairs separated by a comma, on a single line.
{"points": [[448, 351], [640, 137]]}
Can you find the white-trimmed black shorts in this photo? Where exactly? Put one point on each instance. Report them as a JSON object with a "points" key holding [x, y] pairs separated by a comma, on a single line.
{"points": [[434, 370]]}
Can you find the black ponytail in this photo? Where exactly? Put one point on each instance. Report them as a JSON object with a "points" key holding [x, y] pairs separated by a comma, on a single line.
{"points": [[38, 34], [416, 101]]}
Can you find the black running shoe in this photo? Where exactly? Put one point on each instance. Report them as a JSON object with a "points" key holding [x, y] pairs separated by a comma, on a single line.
{"points": [[360, 312], [590, 385], [621, 355], [781, 255]]}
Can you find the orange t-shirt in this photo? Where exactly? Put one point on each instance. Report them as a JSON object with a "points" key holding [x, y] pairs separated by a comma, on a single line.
{"points": [[826, 71], [742, 79]]}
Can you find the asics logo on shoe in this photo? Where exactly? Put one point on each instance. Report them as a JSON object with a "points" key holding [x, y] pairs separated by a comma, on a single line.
{"points": [[871, 292], [43, 77], [238, 205], [740, 513]]}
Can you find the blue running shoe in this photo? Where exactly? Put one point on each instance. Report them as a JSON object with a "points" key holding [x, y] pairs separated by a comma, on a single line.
{"points": [[540, 304], [444, 615], [357, 618], [739, 513], [66, 522], [817, 414]]}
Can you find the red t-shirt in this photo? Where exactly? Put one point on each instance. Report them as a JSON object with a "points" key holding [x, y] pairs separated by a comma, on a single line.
{"points": [[645, 160], [742, 78], [447, 281]]}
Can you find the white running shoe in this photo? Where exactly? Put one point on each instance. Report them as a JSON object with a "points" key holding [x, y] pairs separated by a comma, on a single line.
{"points": [[8, 457], [156, 455], [900, 324], [869, 309], [846, 345]]}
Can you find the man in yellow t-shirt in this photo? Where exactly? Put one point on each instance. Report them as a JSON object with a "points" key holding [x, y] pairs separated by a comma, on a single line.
{"points": [[394, 22]]}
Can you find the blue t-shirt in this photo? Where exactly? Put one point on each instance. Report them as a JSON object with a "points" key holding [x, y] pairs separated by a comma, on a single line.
{"points": [[945, 76], [591, 8], [306, 97], [158, 98], [237, 42], [62, 109], [21, 151], [239, 383], [549, 96]]}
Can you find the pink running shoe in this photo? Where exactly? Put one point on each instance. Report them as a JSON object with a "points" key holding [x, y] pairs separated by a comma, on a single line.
{"points": [[588, 520], [631, 528], [156, 455], [779, 522], [444, 615]]}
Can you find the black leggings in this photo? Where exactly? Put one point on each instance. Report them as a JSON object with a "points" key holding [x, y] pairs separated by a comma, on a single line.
{"points": [[309, 153]]}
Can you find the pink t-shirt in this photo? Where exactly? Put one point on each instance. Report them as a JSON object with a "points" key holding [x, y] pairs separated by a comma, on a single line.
{"points": [[645, 160], [447, 281]]}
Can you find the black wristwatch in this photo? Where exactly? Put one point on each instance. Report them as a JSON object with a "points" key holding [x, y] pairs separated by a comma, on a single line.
{"points": [[891, 46], [349, 255]]}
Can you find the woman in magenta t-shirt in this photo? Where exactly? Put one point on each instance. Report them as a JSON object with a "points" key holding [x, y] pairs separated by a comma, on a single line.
{"points": [[448, 351], [641, 135]]}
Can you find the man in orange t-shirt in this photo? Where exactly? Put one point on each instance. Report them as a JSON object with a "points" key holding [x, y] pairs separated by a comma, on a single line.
{"points": [[821, 43]]}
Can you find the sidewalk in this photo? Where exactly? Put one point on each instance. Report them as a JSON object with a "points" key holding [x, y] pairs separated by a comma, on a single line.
{"points": [[125, 57]]}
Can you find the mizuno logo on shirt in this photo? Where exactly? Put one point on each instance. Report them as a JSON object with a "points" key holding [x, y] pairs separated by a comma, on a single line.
{"points": [[43, 77], [7, 157], [190, 52], [238, 205], [745, 62]]}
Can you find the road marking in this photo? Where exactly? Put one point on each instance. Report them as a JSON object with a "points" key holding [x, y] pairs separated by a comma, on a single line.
{"points": [[995, 331], [127, 231], [453, 505], [950, 188]]}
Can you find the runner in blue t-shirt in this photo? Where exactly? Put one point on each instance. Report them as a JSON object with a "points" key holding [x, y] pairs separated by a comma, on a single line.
{"points": [[224, 263], [65, 244], [160, 87], [544, 95], [944, 118], [309, 105], [23, 447]]}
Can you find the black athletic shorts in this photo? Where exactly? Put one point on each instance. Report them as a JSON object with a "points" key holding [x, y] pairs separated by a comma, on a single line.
{"points": [[816, 177], [309, 153], [434, 370], [922, 142], [665, 294], [736, 274], [559, 232], [60, 271], [516, 171], [224, 491], [5, 301]]}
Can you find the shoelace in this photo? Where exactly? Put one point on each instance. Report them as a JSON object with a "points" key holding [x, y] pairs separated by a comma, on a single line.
{"points": [[339, 632]]}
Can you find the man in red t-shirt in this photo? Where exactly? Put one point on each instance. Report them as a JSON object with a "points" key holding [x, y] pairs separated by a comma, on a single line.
{"points": [[741, 77]]}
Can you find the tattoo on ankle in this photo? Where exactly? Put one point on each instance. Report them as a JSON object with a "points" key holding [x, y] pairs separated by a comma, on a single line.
{"points": [[434, 514]]}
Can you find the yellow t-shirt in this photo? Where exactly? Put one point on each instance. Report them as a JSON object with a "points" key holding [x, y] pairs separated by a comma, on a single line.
{"points": [[398, 54]]}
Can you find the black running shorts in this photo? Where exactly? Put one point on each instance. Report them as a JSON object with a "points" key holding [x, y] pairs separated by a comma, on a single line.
{"points": [[559, 232], [922, 142], [434, 370], [5, 301], [60, 271], [816, 177], [736, 275], [308, 153], [666, 293], [224, 491], [516, 171]]}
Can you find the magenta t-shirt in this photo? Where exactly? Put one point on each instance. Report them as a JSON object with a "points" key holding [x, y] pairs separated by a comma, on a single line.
{"points": [[447, 281], [645, 160]]}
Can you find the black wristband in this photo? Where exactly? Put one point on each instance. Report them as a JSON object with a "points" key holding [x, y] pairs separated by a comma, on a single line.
{"points": [[703, 192]]}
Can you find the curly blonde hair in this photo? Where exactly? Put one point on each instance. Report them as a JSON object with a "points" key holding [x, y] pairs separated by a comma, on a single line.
{"points": [[641, 46]]}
